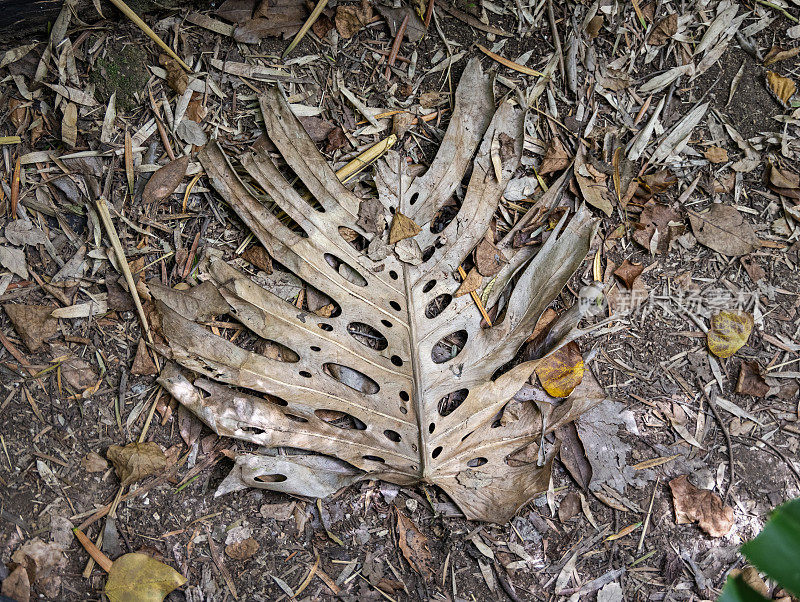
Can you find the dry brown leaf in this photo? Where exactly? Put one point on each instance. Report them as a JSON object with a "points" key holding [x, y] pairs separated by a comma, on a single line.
{"points": [[777, 54], [259, 257], [136, 461], [628, 273], [573, 456], [784, 182], [33, 323], [177, 78], [715, 154], [141, 578], [555, 159], [782, 88], [592, 183], [16, 586], [371, 216], [751, 380], [664, 30], [753, 269], [729, 332], [350, 19], [45, 563], [561, 371], [655, 183], [701, 506], [409, 417], [164, 181], [242, 550], [414, 546], [143, 364], [402, 227], [69, 125], [94, 462], [569, 507], [272, 18], [594, 26], [488, 258], [724, 230], [470, 283]]}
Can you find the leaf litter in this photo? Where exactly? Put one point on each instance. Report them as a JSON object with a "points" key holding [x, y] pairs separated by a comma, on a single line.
{"points": [[669, 133]]}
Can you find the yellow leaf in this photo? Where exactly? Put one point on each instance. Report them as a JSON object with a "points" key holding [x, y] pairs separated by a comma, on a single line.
{"points": [[561, 371], [782, 88], [623, 532], [729, 332], [141, 578]]}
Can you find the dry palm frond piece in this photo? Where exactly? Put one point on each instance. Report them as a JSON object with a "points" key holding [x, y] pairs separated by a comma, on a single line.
{"points": [[398, 381]]}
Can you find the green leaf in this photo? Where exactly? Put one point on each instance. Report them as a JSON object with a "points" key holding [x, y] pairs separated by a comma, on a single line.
{"points": [[736, 590], [776, 550]]}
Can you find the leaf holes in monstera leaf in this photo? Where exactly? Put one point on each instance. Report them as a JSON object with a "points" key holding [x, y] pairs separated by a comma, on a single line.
{"points": [[449, 403], [341, 420], [437, 305], [367, 336], [392, 435], [356, 240], [475, 462], [351, 378], [345, 270], [449, 347], [270, 478]]}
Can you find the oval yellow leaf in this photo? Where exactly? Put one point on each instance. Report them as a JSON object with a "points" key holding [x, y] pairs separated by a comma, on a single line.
{"points": [[561, 371], [729, 332], [141, 578]]}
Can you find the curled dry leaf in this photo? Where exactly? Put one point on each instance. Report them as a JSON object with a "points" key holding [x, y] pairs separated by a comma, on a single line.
{"points": [[405, 413], [700, 506], [164, 181], [94, 462], [242, 550], [561, 371], [177, 78], [44, 562], [142, 363], [136, 461], [414, 546], [592, 183], [724, 230], [350, 19], [141, 578], [782, 88], [628, 273], [729, 332], [751, 380]]}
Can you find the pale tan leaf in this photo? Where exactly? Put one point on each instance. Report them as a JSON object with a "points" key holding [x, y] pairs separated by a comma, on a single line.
{"points": [[398, 381]]}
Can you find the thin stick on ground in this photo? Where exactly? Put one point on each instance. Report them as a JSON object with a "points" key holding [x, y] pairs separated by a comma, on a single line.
{"points": [[711, 399]]}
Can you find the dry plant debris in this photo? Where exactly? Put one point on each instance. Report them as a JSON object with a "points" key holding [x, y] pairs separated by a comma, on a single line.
{"points": [[674, 124], [392, 385]]}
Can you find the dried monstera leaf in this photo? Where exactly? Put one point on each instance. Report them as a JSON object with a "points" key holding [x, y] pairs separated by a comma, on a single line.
{"points": [[399, 382]]}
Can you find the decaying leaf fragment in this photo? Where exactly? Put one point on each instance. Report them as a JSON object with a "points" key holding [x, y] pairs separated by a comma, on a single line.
{"points": [[164, 182], [414, 546], [367, 392], [729, 332], [701, 506]]}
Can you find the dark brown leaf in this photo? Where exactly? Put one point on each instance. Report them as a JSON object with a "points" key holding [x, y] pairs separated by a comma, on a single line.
{"points": [[751, 380], [242, 550], [371, 216], [164, 182], [259, 257], [414, 546], [572, 455], [628, 273], [142, 364], [555, 159]]}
